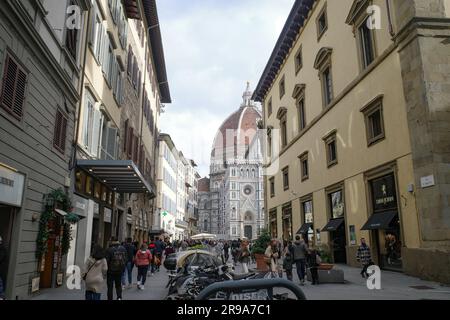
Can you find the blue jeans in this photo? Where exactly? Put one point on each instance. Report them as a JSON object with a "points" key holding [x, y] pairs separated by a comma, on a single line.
{"points": [[128, 271], [301, 268], [90, 295]]}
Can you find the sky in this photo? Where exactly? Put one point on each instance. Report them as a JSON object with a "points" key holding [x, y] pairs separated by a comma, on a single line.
{"points": [[212, 48]]}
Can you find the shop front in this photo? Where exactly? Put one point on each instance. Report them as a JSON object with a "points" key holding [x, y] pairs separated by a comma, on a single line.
{"points": [[384, 223], [100, 182], [336, 226], [11, 194], [307, 228], [287, 222]]}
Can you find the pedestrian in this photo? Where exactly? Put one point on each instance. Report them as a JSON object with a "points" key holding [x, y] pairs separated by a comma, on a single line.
{"points": [[95, 273], [116, 257], [271, 255], [142, 260], [244, 256], [169, 249], [287, 265], [131, 252], [3, 257], [364, 257], [152, 247], [226, 251], [159, 249], [299, 252], [184, 245], [314, 261]]}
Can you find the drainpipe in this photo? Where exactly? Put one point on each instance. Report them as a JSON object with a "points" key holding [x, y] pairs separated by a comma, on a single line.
{"points": [[80, 90], [391, 27]]}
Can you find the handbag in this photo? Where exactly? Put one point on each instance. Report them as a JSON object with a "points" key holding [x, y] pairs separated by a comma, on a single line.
{"points": [[85, 275]]}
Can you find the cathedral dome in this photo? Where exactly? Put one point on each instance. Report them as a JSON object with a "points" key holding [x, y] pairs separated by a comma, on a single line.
{"points": [[241, 126]]}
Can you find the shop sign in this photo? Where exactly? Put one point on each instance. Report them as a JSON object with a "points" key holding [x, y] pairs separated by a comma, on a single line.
{"points": [[426, 182], [11, 187], [383, 191], [107, 215], [80, 207]]}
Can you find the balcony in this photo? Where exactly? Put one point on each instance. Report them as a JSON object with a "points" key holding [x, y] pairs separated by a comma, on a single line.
{"points": [[181, 224]]}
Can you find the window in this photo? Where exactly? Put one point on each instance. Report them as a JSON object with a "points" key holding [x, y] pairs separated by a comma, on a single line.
{"points": [[331, 148], [269, 143], [366, 43], [304, 167], [59, 135], [373, 117], [282, 87], [13, 88], [327, 86], [358, 18], [336, 204], [93, 122], [286, 178], [323, 64], [72, 38], [282, 116], [298, 60], [109, 138], [322, 22], [272, 187], [301, 114], [269, 107]]}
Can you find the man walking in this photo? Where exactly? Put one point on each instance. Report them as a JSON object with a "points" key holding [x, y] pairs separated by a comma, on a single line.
{"points": [[131, 252], [116, 257], [159, 249], [299, 252], [363, 255], [226, 251]]}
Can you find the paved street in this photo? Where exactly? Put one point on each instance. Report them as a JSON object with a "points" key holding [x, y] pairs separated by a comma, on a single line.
{"points": [[394, 286]]}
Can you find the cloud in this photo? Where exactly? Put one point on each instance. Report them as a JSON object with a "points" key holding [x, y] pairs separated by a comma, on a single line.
{"points": [[212, 48]]}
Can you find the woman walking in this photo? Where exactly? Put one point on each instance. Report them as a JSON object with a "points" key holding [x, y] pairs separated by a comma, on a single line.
{"points": [[271, 257], [244, 256], [142, 260], [96, 269]]}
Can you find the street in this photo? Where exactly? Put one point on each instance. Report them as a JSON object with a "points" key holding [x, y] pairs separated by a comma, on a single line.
{"points": [[394, 286]]}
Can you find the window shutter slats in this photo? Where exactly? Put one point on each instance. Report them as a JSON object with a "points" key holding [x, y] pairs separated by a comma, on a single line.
{"points": [[13, 90], [60, 133], [125, 139]]}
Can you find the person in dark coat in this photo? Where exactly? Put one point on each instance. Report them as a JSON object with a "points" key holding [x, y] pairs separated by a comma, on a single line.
{"points": [[3, 257], [116, 257], [131, 252], [313, 261], [364, 257], [226, 251]]}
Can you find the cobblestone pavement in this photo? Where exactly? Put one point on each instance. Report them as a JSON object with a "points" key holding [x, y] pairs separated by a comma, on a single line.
{"points": [[394, 286]]}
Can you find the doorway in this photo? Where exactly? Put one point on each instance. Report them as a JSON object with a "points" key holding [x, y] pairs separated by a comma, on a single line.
{"points": [[338, 244], [248, 232], [6, 225]]}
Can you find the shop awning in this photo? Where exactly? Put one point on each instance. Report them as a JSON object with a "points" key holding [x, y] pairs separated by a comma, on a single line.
{"points": [[380, 221], [122, 176], [304, 228], [333, 224]]}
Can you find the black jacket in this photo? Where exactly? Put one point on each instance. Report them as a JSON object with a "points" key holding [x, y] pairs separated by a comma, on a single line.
{"points": [[131, 251], [3, 255]]}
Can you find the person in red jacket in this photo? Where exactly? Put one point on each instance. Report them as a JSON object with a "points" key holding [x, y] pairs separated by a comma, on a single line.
{"points": [[142, 260]]}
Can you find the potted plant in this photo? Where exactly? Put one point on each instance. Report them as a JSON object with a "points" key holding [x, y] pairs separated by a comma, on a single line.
{"points": [[259, 248], [325, 256]]}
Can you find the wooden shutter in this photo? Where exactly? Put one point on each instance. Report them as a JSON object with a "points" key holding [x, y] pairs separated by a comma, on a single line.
{"points": [[130, 61], [136, 150], [59, 136], [125, 138], [130, 143], [13, 89]]}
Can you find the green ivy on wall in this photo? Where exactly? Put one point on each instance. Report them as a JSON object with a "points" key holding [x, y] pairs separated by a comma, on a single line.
{"points": [[55, 199]]}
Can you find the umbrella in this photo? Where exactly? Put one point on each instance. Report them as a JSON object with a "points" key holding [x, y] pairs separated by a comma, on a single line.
{"points": [[204, 236]]}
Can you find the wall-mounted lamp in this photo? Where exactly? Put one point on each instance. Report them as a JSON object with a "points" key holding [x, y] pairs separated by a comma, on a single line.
{"points": [[34, 217]]}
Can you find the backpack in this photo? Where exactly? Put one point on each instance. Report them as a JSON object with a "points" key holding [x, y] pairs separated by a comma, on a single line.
{"points": [[118, 261]]}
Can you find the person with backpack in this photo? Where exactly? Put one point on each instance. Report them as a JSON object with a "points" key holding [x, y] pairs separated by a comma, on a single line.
{"points": [[143, 259], [152, 247], [116, 257], [96, 269], [131, 252], [299, 253]]}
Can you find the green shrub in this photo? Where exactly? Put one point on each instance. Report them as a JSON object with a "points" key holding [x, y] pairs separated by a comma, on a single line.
{"points": [[260, 245]]}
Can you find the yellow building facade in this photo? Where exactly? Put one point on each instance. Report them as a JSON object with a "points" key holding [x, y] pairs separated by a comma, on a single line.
{"points": [[341, 157]]}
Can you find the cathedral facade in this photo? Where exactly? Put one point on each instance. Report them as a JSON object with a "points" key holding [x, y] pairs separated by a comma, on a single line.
{"points": [[231, 201]]}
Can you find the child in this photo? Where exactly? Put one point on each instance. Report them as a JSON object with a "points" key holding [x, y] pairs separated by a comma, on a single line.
{"points": [[287, 265]]}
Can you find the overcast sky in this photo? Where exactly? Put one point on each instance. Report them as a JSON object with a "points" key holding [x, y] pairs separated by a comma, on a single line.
{"points": [[212, 48]]}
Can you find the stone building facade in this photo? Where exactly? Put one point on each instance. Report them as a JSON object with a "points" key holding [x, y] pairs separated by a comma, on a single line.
{"points": [[356, 110], [232, 208]]}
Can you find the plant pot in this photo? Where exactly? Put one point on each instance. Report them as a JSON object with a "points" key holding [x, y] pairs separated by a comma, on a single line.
{"points": [[325, 266], [261, 264]]}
